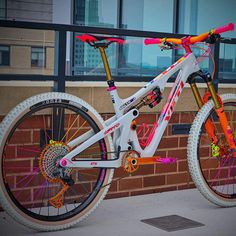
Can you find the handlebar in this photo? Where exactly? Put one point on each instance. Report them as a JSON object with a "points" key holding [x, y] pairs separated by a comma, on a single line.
{"points": [[191, 40]]}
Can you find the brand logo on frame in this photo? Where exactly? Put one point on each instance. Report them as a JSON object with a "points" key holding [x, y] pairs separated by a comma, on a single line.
{"points": [[93, 163], [112, 129], [127, 103]]}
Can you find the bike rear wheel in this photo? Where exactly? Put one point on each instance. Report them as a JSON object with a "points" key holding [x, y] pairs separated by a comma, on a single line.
{"points": [[34, 136], [214, 176]]}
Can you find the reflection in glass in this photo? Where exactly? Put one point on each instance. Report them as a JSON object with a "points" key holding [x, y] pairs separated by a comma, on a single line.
{"points": [[227, 61], [99, 13]]}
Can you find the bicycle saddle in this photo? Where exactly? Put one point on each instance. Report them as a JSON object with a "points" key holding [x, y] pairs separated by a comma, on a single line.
{"points": [[92, 39]]}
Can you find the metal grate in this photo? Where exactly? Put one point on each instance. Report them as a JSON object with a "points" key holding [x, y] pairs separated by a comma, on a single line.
{"points": [[172, 223]]}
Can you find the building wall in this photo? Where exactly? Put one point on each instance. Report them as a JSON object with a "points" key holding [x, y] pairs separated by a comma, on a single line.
{"points": [[20, 42], [30, 10]]}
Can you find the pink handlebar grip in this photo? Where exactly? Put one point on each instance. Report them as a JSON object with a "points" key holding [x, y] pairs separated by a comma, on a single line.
{"points": [[152, 41], [225, 28]]}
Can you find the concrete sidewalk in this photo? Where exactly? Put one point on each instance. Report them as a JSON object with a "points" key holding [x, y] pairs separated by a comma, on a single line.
{"points": [[121, 217]]}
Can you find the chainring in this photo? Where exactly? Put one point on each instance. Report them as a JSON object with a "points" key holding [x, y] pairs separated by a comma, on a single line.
{"points": [[127, 165]]}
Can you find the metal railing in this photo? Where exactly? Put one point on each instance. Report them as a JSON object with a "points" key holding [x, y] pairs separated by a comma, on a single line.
{"points": [[60, 76]]}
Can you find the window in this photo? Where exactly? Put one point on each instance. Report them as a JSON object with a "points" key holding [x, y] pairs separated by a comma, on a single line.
{"points": [[198, 16], [99, 13], [4, 55], [2, 9], [152, 16], [38, 57], [134, 59], [203, 15]]}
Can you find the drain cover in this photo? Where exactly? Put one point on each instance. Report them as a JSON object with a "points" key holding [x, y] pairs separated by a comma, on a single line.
{"points": [[172, 223]]}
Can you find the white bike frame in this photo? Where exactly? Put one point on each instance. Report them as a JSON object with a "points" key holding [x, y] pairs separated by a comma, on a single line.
{"points": [[124, 115]]}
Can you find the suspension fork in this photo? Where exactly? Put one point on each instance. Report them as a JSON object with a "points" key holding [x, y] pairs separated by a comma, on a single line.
{"points": [[219, 108]]}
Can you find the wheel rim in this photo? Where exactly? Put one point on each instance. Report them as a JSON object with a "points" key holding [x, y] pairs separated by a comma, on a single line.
{"points": [[219, 173], [27, 187]]}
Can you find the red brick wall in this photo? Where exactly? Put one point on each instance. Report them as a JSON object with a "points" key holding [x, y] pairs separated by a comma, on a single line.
{"points": [[148, 179], [158, 177]]}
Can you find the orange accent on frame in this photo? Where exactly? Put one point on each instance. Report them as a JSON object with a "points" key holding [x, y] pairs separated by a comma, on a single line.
{"points": [[226, 128], [144, 160]]}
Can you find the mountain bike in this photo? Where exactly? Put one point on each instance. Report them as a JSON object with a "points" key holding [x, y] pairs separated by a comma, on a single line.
{"points": [[58, 155]]}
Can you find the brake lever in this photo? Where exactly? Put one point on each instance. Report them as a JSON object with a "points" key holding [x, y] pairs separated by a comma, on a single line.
{"points": [[213, 38], [167, 46]]}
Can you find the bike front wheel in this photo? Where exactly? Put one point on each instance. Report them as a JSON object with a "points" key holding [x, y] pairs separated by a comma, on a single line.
{"points": [[214, 175], [34, 136]]}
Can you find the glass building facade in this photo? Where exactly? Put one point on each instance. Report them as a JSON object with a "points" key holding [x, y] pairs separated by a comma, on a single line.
{"points": [[172, 16]]}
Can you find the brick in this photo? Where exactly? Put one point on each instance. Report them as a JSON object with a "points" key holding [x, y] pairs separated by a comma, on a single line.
{"points": [[10, 151], [146, 118], [166, 189], [36, 136], [205, 141], [216, 174], [177, 178], [154, 181], [144, 170], [182, 165], [22, 195], [10, 181], [183, 141], [129, 184], [35, 122], [178, 153], [40, 193], [17, 166], [113, 187], [185, 186], [174, 118], [168, 131], [28, 151], [120, 172], [142, 192], [209, 163], [20, 137], [80, 189], [117, 195], [160, 153], [72, 121], [30, 180], [204, 152], [165, 168], [166, 143], [187, 117], [85, 175]]}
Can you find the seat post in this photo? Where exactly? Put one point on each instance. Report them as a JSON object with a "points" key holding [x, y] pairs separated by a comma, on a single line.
{"points": [[105, 63]]}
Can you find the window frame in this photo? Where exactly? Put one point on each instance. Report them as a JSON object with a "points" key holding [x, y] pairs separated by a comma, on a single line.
{"points": [[44, 57], [9, 54]]}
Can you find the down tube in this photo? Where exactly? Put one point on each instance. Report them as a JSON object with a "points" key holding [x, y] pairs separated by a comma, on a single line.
{"points": [[166, 113]]}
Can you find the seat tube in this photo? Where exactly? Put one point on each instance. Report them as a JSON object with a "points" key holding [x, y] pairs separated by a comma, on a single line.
{"points": [[105, 63]]}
